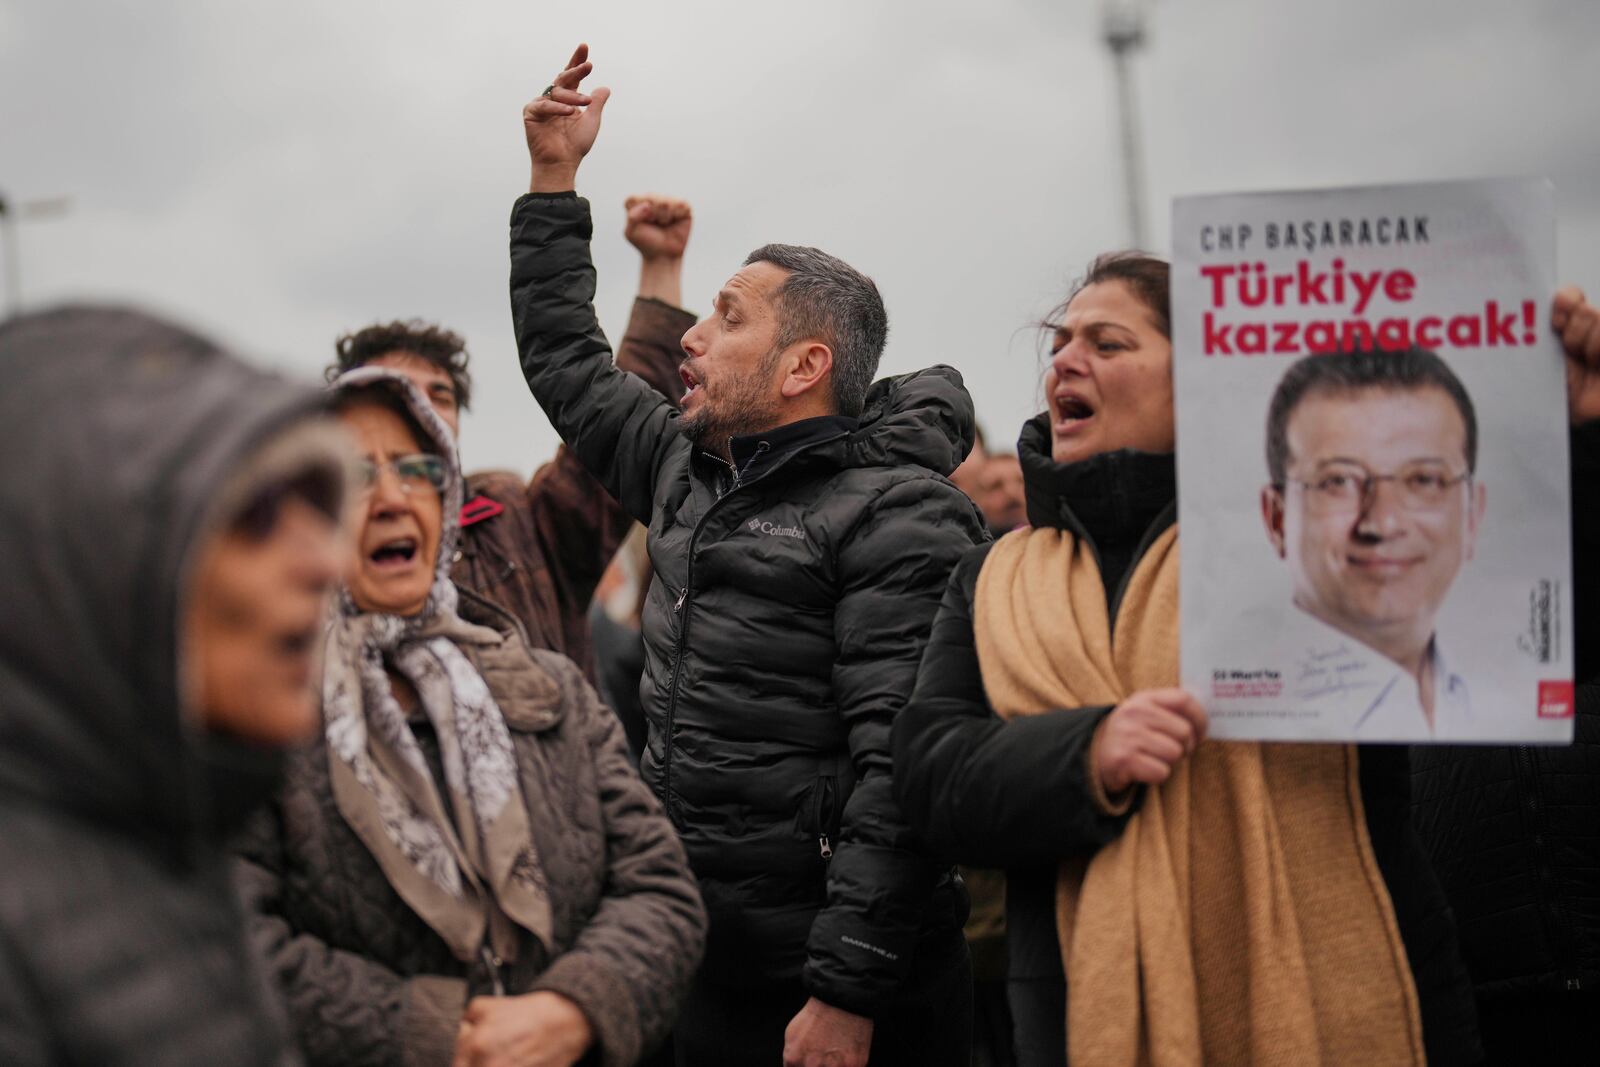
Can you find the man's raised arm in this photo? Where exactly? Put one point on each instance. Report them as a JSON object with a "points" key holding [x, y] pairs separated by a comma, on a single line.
{"points": [[658, 228], [619, 427]]}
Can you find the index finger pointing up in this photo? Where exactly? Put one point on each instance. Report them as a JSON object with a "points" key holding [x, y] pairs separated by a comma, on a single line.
{"points": [[578, 67]]}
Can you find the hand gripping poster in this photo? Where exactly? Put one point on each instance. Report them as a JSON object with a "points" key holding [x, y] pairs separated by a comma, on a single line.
{"points": [[1372, 464]]}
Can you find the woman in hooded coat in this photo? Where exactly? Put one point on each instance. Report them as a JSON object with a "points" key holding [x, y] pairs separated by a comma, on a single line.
{"points": [[168, 539], [465, 867]]}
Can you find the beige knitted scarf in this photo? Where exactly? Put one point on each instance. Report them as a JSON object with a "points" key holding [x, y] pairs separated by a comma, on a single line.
{"points": [[1240, 918]]}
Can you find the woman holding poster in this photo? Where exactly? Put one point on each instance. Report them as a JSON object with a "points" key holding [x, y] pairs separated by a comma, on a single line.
{"points": [[1172, 900]]}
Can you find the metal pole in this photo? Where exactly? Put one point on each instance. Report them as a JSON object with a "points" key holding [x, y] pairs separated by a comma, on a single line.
{"points": [[1132, 165], [10, 213], [8, 238], [1124, 32]]}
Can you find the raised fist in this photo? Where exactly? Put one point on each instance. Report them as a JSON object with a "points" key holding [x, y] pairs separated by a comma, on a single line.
{"points": [[658, 226]]}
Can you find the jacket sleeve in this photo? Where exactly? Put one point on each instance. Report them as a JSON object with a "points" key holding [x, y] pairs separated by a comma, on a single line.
{"points": [[577, 524], [652, 348], [880, 882], [987, 791], [22, 1026], [620, 428], [343, 1007], [631, 964]]}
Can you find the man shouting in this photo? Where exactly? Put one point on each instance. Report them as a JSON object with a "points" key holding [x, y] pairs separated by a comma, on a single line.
{"points": [[800, 532]]}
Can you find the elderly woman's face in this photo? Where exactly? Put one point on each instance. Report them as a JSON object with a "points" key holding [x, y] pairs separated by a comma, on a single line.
{"points": [[399, 519], [1109, 385], [251, 623]]}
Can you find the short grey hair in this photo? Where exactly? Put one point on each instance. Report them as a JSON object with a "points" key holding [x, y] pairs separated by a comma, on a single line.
{"points": [[826, 298]]}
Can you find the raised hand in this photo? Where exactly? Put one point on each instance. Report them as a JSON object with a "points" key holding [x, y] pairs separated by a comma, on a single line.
{"points": [[658, 226], [1147, 735], [1578, 323], [561, 124]]}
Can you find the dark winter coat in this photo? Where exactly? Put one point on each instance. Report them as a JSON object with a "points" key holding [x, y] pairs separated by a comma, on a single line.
{"points": [[369, 983], [1015, 794], [120, 940], [790, 604], [538, 548], [1515, 831]]}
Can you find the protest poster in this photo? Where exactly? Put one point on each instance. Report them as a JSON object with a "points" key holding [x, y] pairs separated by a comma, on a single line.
{"points": [[1373, 464]]}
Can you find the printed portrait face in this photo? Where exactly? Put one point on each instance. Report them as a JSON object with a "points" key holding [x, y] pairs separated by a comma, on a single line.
{"points": [[1378, 510]]}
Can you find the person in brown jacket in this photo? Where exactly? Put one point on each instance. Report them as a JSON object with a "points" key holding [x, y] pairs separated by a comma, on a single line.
{"points": [[539, 548], [463, 867]]}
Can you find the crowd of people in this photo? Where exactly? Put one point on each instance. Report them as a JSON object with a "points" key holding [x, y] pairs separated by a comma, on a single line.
{"points": [[307, 754]]}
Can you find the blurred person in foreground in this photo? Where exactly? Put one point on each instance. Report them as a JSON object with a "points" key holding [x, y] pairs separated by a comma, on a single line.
{"points": [[168, 538], [539, 548], [800, 532], [1514, 831], [1217, 903], [464, 868]]}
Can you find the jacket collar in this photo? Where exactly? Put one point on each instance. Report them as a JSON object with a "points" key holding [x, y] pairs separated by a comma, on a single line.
{"points": [[920, 419], [1112, 498], [754, 454], [528, 697]]}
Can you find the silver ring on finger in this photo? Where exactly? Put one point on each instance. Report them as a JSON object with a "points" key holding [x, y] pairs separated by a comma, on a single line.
{"points": [[549, 90]]}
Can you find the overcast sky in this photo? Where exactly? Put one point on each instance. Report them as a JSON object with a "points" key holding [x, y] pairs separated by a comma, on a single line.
{"points": [[277, 174]]}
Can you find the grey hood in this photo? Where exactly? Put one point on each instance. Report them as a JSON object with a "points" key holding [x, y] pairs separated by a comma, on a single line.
{"points": [[117, 433]]}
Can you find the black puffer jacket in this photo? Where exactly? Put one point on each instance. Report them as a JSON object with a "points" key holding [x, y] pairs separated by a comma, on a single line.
{"points": [[120, 941], [782, 631], [1015, 794], [1515, 831]]}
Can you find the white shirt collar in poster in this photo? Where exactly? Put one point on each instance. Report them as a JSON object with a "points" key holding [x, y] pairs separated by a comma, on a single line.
{"points": [[1341, 679]]}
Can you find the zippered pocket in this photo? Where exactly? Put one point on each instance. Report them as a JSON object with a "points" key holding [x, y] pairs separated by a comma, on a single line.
{"points": [[818, 814], [827, 792]]}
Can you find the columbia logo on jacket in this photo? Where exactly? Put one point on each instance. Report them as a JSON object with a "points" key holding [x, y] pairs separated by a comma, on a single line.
{"points": [[769, 529]]}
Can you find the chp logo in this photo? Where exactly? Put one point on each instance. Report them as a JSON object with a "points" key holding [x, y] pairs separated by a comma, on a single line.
{"points": [[1556, 699], [772, 530]]}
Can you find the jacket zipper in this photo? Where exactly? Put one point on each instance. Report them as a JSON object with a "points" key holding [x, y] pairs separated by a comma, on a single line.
{"points": [[822, 812], [492, 963], [682, 606]]}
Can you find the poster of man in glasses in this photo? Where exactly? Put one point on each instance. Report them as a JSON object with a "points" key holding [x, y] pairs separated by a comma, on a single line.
{"points": [[1372, 462]]}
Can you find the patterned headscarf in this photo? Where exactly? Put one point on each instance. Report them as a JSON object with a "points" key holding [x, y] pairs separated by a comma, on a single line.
{"points": [[468, 866]]}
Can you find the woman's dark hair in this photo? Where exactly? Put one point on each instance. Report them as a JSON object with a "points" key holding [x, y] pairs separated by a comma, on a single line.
{"points": [[1150, 279], [433, 344]]}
